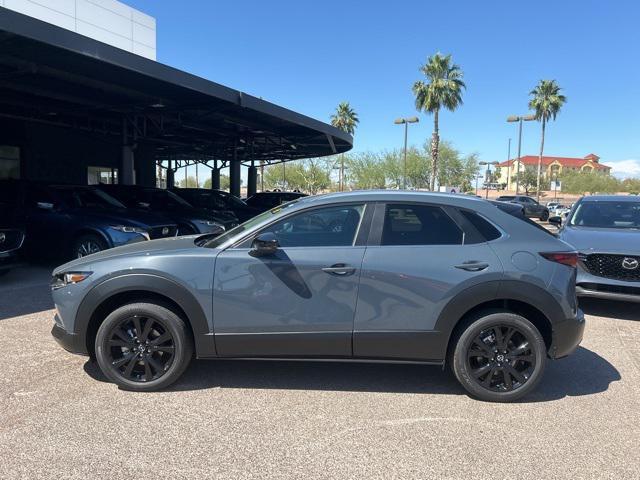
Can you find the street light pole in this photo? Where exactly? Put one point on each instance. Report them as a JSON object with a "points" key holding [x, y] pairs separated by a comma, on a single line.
{"points": [[519, 119], [508, 168], [486, 175], [406, 122]]}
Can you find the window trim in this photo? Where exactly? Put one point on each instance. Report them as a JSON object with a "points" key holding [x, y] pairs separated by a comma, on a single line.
{"points": [[377, 227], [360, 238]]}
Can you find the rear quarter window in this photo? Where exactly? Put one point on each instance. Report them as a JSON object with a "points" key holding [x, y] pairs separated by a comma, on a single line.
{"points": [[484, 227]]}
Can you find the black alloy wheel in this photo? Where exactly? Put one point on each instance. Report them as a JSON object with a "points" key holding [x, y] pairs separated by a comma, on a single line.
{"points": [[501, 359], [143, 346], [498, 356], [141, 349]]}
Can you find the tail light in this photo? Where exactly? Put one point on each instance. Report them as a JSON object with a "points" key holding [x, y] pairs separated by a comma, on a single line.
{"points": [[565, 258]]}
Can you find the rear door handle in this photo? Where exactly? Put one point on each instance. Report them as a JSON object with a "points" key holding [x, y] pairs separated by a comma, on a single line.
{"points": [[339, 269], [472, 266]]}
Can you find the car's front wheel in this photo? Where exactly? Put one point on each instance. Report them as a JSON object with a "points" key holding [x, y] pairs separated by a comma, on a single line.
{"points": [[499, 357], [545, 216], [143, 347], [87, 245]]}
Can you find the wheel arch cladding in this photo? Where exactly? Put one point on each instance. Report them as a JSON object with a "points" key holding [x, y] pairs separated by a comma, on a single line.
{"points": [[121, 290], [525, 299]]}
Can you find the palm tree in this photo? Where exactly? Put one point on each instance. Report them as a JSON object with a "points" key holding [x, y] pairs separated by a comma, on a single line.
{"points": [[443, 89], [546, 101], [346, 119]]}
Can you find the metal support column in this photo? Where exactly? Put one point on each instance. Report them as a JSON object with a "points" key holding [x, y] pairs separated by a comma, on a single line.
{"points": [[127, 161], [215, 176], [234, 175], [252, 180]]}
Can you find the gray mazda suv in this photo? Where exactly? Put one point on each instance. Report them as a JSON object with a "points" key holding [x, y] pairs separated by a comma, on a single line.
{"points": [[362, 276], [605, 230]]}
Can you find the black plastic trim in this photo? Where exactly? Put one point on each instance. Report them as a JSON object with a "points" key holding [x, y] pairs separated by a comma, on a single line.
{"points": [[203, 338], [284, 344]]}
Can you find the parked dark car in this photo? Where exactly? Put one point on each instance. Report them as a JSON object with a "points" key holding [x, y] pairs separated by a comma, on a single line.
{"points": [[532, 208], [605, 230], [407, 277], [264, 201], [11, 238], [74, 221], [217, 201], [190, 220]]}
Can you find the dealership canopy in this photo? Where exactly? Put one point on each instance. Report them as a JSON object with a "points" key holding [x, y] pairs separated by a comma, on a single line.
{"points": [[58, 77]]}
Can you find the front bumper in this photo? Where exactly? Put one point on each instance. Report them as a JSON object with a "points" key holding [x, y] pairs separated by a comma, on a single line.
{"points": [[608, 292], [71, 342], [593, 286], [567, 335]]}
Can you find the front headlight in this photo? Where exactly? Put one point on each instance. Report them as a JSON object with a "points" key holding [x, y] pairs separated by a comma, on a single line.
{"points": [[128, 229], [63, 279]]}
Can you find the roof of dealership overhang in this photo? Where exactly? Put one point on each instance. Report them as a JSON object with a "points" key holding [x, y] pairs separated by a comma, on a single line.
{"points": [[55, 76]]}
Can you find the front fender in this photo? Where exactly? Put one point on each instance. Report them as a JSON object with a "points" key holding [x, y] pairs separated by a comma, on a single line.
{"points": [[155, 284]]}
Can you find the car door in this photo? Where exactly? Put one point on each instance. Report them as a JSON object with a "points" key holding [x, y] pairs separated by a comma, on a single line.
{"points": [[419, 256], [299, 301], [47, 221]]}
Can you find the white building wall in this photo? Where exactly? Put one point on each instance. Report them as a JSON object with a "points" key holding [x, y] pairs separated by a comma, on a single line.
{"points": [[107, 21]]}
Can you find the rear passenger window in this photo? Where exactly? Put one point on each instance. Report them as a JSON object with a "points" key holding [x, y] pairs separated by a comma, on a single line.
{"points": [[488, 231], [419, 225]]}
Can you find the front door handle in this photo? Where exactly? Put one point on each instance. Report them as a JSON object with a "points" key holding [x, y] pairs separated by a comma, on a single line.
{"points": [[472, 266], [339, 269]]}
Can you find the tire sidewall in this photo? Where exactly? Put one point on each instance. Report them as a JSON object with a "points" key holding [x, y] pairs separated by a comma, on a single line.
{"points": [[461, 369], [172, 322]]}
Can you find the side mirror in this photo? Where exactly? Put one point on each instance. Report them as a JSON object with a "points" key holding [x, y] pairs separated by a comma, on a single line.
{"points": [[45, 206], [557, 221], [264, 244]]}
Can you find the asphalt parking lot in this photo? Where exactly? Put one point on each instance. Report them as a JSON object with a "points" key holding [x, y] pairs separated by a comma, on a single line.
{"points": [[225, 419]]}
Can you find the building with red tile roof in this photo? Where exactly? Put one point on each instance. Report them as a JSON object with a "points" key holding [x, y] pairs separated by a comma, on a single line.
{"points": [[551, 166]]}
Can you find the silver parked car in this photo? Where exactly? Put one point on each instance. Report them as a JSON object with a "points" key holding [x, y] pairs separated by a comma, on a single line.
{"points": [[606, 232], [362, 276]]}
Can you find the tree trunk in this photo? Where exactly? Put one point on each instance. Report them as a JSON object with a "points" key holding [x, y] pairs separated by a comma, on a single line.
{"points": [[540, 161], [435, 143]]}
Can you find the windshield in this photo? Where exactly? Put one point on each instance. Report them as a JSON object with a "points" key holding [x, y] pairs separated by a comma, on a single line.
{"points": [[610, 214], [161, 199], [87, 198], [238, 231]]}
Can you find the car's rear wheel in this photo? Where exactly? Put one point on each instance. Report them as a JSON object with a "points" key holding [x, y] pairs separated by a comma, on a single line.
{"points": [[143, 347], [500, 357], [545, 216], [88, 244]]}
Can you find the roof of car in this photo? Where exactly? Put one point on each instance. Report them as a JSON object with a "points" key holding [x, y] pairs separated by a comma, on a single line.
{"points": [[395, 195], [611, 198]]}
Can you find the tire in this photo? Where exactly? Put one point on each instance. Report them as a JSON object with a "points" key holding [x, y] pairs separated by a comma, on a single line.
{"points": [[492, 375], [88, 244], [141, 356], [545, 216]]}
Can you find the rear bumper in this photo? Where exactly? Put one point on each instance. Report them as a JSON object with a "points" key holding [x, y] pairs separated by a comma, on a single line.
{"points": [[607, 293], [71, 342], [567, 335]]}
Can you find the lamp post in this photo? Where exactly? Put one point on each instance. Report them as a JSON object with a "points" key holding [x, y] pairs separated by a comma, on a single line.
{"points": [[486, 176], [478, 177], [406, 122], [519, 119]]}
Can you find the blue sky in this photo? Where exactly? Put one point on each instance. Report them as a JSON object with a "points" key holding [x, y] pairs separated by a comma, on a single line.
{"points": [[310, 55]]}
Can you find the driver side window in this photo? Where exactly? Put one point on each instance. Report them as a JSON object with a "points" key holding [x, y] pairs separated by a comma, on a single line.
{"points": [[322, 227]]}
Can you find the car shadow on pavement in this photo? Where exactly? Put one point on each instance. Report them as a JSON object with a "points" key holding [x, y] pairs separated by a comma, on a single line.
{"points": [[583, 373], [610, 309], [25, 290]]}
